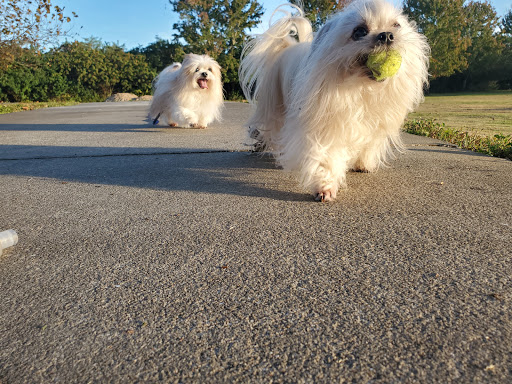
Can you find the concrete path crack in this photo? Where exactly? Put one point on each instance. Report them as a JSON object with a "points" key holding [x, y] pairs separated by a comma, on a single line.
{"points": [[128, 154]]}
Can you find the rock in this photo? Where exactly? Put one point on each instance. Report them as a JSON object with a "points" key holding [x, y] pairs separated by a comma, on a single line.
{"points": [[122, 97]]}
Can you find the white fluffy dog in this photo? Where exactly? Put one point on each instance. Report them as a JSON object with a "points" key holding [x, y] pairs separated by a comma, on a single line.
{"points": [[319, 107], [188, 94]]}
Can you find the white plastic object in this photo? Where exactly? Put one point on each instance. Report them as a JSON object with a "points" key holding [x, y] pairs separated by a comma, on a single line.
{"points": [[8, 239]]}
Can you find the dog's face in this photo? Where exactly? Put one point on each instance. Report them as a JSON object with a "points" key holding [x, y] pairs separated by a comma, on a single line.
{"points": [[202, 71], [366, 27]]}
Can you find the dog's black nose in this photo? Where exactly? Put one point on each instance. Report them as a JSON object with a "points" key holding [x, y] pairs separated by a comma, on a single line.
{"points": [[204, 74], [385, 38]]}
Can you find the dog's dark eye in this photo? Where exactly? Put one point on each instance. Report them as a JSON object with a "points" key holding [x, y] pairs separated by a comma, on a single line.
{"points": [[197, 69], [359, 32], [210, 69], [396, 25]]}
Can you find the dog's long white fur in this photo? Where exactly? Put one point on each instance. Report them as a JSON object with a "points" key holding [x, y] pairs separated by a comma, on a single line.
{"points": [[317, 108], [178, 97]]}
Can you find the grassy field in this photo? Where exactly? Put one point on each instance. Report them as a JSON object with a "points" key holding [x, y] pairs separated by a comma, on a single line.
{"points": [[479, 122], [483, 114], [18, 107]]}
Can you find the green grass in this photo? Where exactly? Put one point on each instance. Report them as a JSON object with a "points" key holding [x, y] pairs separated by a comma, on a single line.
{"points": [[484, 114], [27, 106], [479, 122], [498, 145]]}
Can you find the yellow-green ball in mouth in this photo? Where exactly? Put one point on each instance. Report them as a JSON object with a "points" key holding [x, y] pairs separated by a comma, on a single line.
{"points": [[384, 64]]}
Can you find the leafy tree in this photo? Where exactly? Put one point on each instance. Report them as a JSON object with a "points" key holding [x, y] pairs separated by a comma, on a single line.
{"points": [[506, 56], [26, 23], [442, 22], [161, 53], [219, 29], [127, 72], [468, 48], [317, 11], [30, 77], [17, 81], [94, 74], [484, 51], [506, 23], [82, 71]]}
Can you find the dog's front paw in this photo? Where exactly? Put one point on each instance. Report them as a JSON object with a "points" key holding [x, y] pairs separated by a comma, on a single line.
{"points": [[258, 146], [325, 195], [194, 125], [360, 169]]}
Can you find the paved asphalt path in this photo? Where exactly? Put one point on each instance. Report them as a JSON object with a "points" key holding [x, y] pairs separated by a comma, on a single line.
{"points": [[152, 254]]}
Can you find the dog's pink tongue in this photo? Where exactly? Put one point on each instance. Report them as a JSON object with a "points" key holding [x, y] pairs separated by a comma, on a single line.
{"points": [[203, 83]]}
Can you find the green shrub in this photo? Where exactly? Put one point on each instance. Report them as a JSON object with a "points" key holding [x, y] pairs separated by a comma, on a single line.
{"points": [[80, 71], [497, 145]]}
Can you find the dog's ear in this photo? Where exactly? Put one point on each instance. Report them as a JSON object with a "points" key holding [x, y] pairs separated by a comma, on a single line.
{"points": [[185, 60], [188, 63], [217, 67], [187, 57], [321, 36]]}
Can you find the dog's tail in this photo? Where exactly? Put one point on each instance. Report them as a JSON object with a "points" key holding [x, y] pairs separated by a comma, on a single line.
{"points": [[260, 53], [162, 77], [157, 105]]}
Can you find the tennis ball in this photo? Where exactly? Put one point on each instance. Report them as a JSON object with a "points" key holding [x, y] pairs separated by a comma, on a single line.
{"points": [[384, 64]]}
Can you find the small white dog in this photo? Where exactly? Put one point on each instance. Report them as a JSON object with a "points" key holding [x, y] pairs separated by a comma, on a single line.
{"points": [[319, 107], [188, 94]]}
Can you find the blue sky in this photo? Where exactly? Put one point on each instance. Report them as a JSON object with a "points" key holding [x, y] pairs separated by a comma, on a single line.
{"points": [[134, 22]]}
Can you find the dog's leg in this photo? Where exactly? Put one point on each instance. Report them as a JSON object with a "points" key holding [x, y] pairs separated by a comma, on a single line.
{"points": [[319, 172], [202, 123], [169, 119], [324, 170], [372, 155], [326, 180], [186, 115], [327, 193], [321, 169]]}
